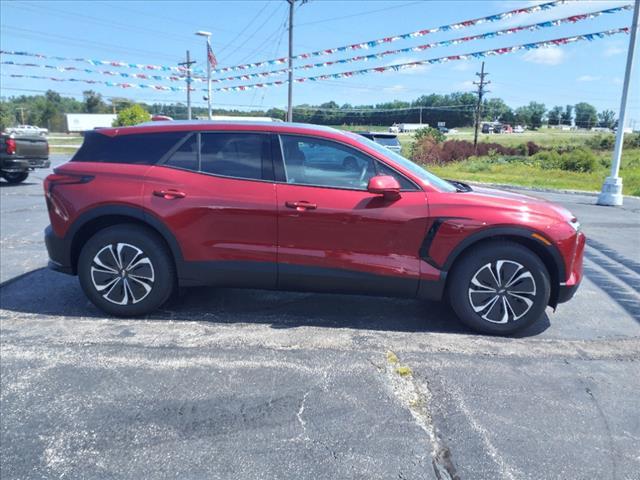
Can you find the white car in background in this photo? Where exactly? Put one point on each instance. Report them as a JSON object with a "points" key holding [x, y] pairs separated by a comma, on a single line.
{"points": [[26, 130], [518, 129]]}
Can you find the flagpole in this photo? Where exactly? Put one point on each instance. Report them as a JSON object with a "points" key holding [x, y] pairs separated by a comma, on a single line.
{"points": [[209, 77], [207, 35]]}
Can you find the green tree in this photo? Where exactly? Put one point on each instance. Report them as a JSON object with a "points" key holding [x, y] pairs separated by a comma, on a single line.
{"points": [[607, 119], [567, 115], [496, 109], [586, 115], [555, 115], [132, 115], [7, 116], [93, 102]]}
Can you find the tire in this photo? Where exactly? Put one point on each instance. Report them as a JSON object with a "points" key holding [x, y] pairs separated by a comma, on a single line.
{"points": [[15, 177], [504, 303], [126, 270]]}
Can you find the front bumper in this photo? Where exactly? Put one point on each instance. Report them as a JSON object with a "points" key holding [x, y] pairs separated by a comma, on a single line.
{"points": [[57, 248], [566, 292]]}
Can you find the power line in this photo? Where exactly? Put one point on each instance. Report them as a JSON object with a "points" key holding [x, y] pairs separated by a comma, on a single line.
{"points": [[253, 19], [360, 14]]}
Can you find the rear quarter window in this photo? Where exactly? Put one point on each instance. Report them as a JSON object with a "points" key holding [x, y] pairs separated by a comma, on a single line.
{"points": [[141, 149]]}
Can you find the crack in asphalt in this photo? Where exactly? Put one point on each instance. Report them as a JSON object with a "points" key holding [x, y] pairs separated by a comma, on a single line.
{"points": [[417, 399]]}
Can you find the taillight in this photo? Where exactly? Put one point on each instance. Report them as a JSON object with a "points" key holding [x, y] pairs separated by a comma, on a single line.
{"points": [[11, 146], [57, 178]]}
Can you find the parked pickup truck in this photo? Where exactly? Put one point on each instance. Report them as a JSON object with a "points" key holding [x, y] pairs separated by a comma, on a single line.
{"points": [[26, 130], [19, 154]]}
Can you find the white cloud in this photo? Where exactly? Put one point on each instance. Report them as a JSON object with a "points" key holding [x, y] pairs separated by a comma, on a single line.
{"points": [[462, 66], [613, 50], [395, 88], [466, 85], [545, 56], [588, 78]]}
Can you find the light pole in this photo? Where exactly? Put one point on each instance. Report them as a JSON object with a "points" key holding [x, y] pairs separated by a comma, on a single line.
{"points": [[207, 35], [611, 193]]}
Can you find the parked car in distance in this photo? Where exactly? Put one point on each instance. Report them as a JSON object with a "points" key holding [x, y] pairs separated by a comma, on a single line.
{"points": [[518, 129], [21, 153], [26, 130], [487, 128], [139, 211], [394, 128], [389, 140]]}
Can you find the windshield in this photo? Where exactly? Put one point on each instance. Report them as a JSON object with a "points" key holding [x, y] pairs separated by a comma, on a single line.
{"points": [[387, 141], [414, 168]]}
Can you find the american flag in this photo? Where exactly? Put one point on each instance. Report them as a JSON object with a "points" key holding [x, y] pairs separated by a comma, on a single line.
{"points": [[213, 61]]}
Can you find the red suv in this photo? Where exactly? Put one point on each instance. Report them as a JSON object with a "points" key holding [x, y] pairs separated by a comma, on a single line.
{"points": [[141, 210]]}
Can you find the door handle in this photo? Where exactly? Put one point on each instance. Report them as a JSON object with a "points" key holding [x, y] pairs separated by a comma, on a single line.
{"points": [[301, 206], [169, 194]]}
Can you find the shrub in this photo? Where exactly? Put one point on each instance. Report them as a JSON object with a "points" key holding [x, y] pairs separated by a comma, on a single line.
{"points": [[427, 150], [632, 140], [434, 133], [579, 160], [532, 148], [547, 159], [601, 142]]}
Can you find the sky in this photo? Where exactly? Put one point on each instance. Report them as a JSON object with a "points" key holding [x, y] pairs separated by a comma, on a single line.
{"points": [[160, 32]]}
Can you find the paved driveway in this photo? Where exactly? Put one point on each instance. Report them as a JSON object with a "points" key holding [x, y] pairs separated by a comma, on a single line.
{"points": [[252, 384]]}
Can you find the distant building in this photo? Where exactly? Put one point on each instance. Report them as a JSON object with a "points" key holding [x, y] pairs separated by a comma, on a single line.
{"points": [[79, 122]]}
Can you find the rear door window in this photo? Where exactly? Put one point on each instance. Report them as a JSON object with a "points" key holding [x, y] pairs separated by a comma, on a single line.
{"points": [[186, 156], [239, 155], [143, 149]]}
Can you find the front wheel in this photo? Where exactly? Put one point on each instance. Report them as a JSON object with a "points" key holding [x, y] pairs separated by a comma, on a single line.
{"points": [[499, 288], [15, 177], [126, 270]]}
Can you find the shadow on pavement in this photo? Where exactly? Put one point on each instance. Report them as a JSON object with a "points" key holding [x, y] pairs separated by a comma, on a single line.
{"points": [[5, 184], [44, 292]]}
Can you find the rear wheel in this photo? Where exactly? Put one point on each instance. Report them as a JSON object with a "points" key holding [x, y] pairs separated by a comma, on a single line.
{"points": [[126, 270], [499, 288], [15, 177]]}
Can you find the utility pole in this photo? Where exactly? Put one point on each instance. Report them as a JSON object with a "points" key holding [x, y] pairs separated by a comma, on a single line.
{"points": [[290, 100], [21, 114], [420, 115], [188, 64], [481, 91], [611, 193]]}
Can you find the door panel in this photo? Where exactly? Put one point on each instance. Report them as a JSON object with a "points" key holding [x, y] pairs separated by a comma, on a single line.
{"points": [[226, 227], [350, 240]]}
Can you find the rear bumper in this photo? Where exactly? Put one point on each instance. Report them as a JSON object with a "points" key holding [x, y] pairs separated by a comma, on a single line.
{"points": [[39, 162], [57, 248], [14, 165]]}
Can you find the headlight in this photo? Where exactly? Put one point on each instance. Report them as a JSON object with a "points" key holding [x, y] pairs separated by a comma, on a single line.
{"points": [[575, 224]]}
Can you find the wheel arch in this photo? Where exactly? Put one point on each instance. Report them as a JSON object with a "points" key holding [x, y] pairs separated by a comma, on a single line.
{"points": [[548, 254], [106, 216]]}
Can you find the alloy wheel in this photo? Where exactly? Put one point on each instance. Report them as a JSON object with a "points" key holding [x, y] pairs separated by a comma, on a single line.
{"points": [[122, 274], [502, 291]]}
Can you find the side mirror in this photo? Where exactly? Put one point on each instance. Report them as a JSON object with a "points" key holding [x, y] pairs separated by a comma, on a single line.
{"points": [[384, 185]]}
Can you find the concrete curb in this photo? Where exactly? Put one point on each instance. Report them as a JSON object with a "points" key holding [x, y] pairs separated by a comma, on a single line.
{"points": [[589, 193]]}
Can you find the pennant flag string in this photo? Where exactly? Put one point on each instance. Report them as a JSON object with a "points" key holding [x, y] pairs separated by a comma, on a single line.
{"points": [[409, 65], [349, 74], [329, 51], [404, 36], [144, 76], [443, 43], [360, 58]]}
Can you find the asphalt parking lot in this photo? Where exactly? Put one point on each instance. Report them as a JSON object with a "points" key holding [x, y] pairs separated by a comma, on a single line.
{"points": [[252, 384]]}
